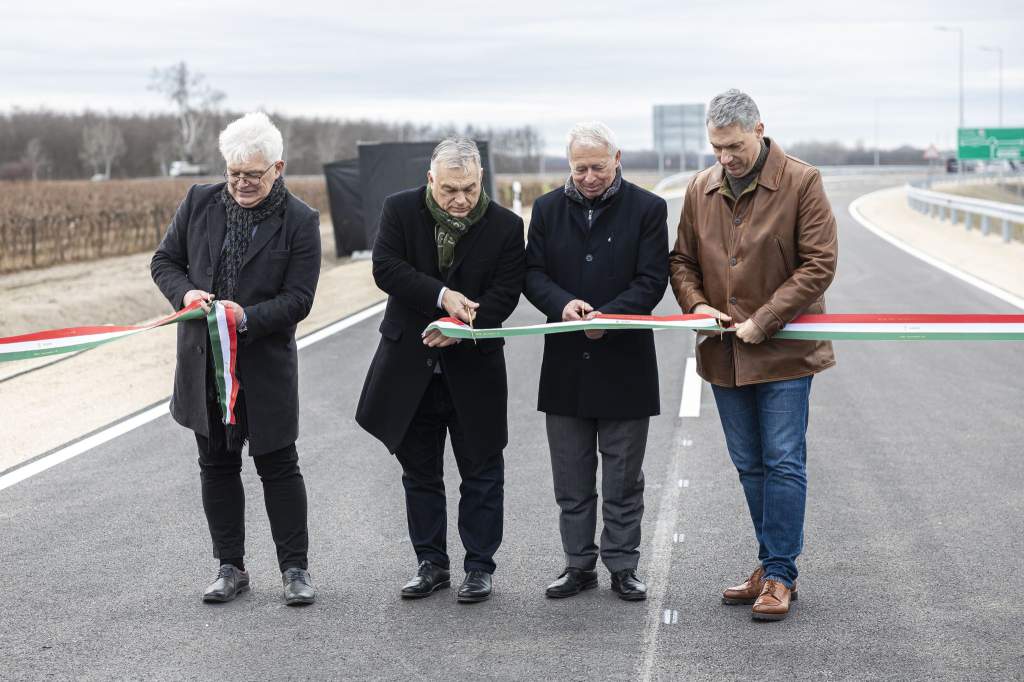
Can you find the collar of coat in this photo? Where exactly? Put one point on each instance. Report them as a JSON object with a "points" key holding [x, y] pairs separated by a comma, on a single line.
{"points": [[769, 177]]}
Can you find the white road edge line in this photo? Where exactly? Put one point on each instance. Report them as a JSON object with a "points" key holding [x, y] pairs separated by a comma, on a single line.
{"points": [[689, 404], [988, 288], [131, 423]]}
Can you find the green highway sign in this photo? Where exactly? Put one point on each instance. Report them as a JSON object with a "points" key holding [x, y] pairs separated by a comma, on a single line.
{"points": [[990, 144]]}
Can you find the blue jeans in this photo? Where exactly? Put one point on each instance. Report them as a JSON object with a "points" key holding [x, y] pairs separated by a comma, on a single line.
{"points": [[765, 430]]}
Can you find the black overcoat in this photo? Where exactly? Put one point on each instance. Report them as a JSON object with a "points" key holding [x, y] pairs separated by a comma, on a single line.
{"points": [[488, 268], [619, 265], [275, 287]]}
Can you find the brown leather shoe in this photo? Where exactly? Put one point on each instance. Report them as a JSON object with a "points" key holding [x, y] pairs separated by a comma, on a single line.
{"points": [[745, 593], [773, 602]]}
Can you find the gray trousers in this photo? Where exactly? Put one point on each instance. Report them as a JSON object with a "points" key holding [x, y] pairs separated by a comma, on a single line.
{"points": [[574, 444]]}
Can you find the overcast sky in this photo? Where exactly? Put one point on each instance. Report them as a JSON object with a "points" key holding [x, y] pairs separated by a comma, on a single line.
{"points": [[816, 69]]}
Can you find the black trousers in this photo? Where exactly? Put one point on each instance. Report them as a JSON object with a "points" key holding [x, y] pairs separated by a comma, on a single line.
{"points": [[284, 493], [481, 501]]}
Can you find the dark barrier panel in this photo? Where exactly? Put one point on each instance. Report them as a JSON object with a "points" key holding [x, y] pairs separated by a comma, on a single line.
{"points": [[344, 196], [389, 167]]}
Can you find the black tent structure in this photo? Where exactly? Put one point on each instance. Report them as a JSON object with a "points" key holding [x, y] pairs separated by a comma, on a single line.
{"points": [[356, 188]]}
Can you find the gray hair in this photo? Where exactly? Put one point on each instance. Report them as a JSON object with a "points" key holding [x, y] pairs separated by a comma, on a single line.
{"points": [[591, 134], [455, 152], [733, 107], [251, 136]]}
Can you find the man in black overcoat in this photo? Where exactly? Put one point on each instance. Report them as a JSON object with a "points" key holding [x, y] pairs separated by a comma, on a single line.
{"points": [[598, 244], [444, 249], [254, 246]]}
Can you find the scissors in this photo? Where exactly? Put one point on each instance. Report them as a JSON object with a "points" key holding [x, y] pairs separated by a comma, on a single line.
{"points": [[472, 332]]}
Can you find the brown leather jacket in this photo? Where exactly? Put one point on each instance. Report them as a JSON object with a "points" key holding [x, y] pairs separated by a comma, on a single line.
{"points": [[769, 257]]}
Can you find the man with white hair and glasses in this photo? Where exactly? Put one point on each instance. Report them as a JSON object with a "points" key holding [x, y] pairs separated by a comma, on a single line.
{"points": [[598, 245], [254, 246], [445, 249]]}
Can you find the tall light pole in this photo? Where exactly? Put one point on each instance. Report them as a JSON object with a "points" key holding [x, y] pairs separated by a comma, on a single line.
{"points": [[959, 31], [998, 51]]}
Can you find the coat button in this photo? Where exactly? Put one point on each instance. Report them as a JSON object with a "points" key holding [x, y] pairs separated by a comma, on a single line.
{"points": [[200, 350], [732, 299], [736, 221], [732, 261], [430, 362], [586, 356], [589, 258]]}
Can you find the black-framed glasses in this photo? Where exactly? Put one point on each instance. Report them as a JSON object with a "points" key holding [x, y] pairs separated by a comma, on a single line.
{"points": [[235, 177]]}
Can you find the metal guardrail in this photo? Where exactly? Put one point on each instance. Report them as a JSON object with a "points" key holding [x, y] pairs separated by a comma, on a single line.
{"points": [[953, 207]]}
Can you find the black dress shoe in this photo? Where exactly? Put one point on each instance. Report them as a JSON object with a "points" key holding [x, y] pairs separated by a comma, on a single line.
{"points": [[571, 582], [428, 579], [628, 586], [298, 588], [476, 587], [229, 583]]}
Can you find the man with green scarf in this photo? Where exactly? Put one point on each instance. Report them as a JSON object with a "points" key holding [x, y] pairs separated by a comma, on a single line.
{"points": [[444, 249]]}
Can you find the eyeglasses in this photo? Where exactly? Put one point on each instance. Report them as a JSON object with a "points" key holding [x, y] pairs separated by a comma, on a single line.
{"points": [[235, 177]]}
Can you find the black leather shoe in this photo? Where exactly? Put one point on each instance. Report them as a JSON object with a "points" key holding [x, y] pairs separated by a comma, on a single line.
{"points": [[229, 583], [298, 588], [476, 587], [429, 579], [628, 586], [572, 582]]}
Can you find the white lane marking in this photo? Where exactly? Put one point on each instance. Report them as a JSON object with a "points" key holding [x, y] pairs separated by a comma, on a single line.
{"points": [[131, 423], [689, 404], [988, 288], [340, 325], [686, 483], [678, 537], [670, 617], [687, 443], [658, 571]]}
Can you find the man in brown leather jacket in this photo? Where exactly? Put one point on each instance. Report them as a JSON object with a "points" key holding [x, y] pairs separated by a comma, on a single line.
{"points": [[756, 247]]}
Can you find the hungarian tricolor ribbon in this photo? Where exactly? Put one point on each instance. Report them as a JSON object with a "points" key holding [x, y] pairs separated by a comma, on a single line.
{"points": [[223, 340], [806, 327]]}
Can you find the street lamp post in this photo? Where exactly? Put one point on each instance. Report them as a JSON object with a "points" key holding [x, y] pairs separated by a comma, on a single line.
{"points": [[960, 32], [998, 51]]}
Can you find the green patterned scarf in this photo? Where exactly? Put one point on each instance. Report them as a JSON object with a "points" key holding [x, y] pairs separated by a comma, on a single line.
{"points": [[448, 229]]}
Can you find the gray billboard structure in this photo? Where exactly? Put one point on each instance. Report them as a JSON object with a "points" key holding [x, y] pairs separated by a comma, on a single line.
{"points": [[679, 129]]}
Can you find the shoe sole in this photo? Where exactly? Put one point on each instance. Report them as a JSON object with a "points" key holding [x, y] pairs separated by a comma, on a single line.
{"points": [[473, 600], [299, 601], [225, 600], [585, 586], [769, 616], [748, 602], [421, 595]]}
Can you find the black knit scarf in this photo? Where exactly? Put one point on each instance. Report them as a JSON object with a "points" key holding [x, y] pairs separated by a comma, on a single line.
{"points": [[241, 224]]}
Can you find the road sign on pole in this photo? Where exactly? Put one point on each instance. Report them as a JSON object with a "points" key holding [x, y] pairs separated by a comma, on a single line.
{"points": [[990, 144]]}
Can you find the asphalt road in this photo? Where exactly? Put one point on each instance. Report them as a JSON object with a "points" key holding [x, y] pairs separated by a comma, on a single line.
{"points": [[911, 568]]}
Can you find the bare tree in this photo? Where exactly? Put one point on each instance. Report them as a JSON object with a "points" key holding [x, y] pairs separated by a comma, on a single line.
{"points": [[102, 145], [35, 157], [195, 100]]}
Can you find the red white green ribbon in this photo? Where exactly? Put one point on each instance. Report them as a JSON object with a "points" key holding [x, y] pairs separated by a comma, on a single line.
{"points": [[806, 327], [223, 340]]}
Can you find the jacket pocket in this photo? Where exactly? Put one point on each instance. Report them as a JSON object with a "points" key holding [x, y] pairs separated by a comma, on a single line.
{"points": [[390, 329], [280, 254], [782, 254]]}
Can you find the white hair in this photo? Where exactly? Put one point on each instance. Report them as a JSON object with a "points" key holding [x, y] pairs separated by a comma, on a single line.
{"points": [[733, 107], [591, 134], [251, 136], [456, 152]]}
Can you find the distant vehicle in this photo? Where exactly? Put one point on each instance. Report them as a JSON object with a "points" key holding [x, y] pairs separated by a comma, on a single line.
{"points": [[953, 166], [179, 168], [100, 177]]}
